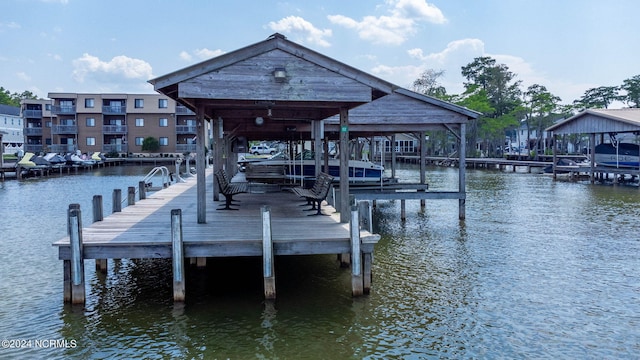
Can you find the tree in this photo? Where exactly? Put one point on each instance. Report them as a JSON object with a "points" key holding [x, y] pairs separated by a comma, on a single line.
{"points": [[428, 84], [14, 99], [598, 98], [632, 88], [150, 144], [497, 85], [539, 105]]}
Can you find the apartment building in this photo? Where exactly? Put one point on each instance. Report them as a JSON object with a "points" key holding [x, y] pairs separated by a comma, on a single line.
{"points": [[11, 128], [108, 123]]}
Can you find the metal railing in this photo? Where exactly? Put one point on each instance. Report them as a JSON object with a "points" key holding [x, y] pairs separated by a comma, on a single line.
{"points": [[164, 172]]}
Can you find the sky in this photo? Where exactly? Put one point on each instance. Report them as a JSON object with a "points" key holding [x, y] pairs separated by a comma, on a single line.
{"points": [[116, 46]]}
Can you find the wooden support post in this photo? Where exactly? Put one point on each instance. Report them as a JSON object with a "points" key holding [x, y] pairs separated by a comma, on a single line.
{"points": [[267, 255], [367, 260], [66, 284], [117, 200], [364, 212], [131, 196], [97, 208], [403, 210], [142, 190], [77, 258], [101, 264], [356, 255], [177, 255]]}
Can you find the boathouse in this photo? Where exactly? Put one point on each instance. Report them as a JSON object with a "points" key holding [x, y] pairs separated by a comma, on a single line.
{"points": [[275, 89], [598, 124]]}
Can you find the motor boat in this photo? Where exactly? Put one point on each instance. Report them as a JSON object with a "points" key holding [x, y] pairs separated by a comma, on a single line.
{"points": [[280, 167], [618, 155]]}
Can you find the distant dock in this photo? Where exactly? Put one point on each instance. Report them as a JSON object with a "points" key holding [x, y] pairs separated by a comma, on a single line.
{"points": [[164, 225]]}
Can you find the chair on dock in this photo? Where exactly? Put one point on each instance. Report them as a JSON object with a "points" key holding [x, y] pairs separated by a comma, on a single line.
{"points": [[317, 193], [228, 189]]}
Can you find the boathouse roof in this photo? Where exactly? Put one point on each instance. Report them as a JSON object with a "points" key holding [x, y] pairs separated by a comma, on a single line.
{"points": [[599, 121], [287, 85]]}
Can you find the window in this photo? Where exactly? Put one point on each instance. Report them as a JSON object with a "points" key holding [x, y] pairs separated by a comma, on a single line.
{"points": [[139, 103], [47, 107], [163, 103], [91, 141], [164, 122], [164, 141], [139, 122], [89, 103], [91, 122], [47, 124], [139, 141]]}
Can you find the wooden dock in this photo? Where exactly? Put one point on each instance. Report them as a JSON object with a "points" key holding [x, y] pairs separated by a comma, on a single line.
{"points": [[146, 229]]}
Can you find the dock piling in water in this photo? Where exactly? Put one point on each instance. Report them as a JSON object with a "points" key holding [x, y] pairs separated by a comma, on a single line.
{"points": [[356, 254], [179, 291], [267, 255], [76, 268]]}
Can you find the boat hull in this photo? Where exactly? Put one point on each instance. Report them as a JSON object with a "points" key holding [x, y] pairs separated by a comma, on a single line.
{"points": [[359, 171], [625, 155]]}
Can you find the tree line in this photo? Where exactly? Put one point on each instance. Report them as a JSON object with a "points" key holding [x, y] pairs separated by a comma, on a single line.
{"points": [[7, 98], [493, 90]]}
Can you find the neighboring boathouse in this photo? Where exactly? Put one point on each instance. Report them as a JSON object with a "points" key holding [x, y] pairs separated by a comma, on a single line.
{"points": [[271, 90]]}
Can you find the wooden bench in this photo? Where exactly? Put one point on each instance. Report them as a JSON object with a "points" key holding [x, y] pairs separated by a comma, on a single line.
{"points": [[317, 193], [228, 189]]}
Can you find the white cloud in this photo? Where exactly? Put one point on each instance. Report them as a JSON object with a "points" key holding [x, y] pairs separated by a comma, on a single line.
{"points": [[396, 28], [117, 69], [304, 30], [200, 54], [23, 76], [10, 25]]}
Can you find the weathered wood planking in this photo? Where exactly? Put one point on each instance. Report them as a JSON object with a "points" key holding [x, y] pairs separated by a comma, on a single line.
{"points": [[305, 81], [143, 230]]}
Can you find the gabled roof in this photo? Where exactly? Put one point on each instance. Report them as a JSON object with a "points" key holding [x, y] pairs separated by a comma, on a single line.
{"points": [[276, 41], [403, 111], [596, 121]]}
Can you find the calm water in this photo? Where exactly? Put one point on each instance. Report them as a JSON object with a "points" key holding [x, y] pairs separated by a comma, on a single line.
{"points": [[539, 269]]}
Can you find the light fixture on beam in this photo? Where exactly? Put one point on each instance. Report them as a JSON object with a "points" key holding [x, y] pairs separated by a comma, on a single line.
{"points": [[280, 74], [259, 121]]}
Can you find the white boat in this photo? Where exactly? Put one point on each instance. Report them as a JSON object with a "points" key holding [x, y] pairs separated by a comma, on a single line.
{"points": [[279, 167], [624, 155]]}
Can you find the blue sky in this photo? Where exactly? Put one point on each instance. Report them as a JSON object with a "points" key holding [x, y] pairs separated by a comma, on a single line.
{"points": [[99, 46]]}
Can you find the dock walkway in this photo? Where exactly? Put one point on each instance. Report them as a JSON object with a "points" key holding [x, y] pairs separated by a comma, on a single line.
{"points": [[144, 230]]}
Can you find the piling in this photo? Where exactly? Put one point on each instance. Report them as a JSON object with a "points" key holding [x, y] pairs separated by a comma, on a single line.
{"points": [[142, 190], [101, 264], [179, 289], [131, 196], [267, 255], [77, 287], [356, 254], [117, 200]]}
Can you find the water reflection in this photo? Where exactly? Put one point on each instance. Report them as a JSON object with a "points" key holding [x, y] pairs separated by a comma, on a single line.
{"points": [[539, 269]]}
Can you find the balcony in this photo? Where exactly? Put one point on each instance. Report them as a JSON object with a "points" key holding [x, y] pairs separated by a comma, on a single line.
{"points": [[63, 148], [182, 148], [114, 110], [37, 114], [114, 129], [63, 110], [34, 148], [119, 148], [33, 131], [186, 129], [183, 110], [64, 129]]}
